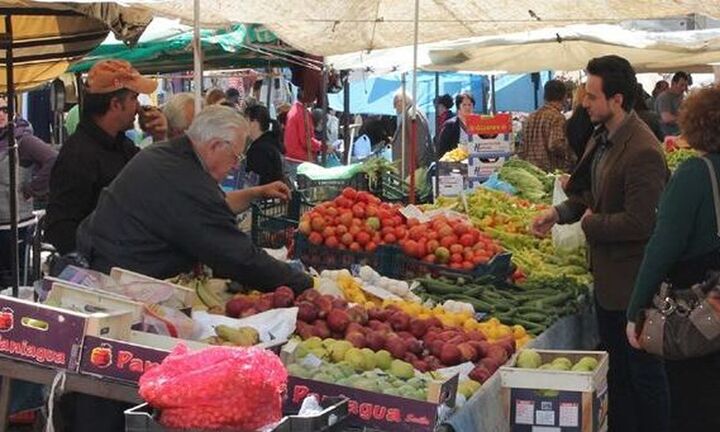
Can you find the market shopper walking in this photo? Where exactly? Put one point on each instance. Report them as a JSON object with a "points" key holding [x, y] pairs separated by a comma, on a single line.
{"points": [[94, 155], [615, 191], [423, 144], [454, 130], [668, 103], [579, 128], [683, 248], [263, 154], [544, 142]]}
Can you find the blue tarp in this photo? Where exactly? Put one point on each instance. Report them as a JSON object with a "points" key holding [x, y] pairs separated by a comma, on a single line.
{"points": [[375, 95], [515, 92]]}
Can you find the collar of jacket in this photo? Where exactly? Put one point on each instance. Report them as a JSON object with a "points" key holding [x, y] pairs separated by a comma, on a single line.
{"points": [[100, 136], [554, 105]]}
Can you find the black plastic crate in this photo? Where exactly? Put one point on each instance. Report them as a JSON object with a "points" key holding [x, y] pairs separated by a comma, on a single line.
{"points": [[143, 418], [321, 257], [323, 190], [402, 267], [273, 222]]}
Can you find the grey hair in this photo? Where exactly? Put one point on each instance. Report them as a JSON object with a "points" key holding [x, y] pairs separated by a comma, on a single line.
{"points": [[216, 122], [174, 111], [408, 97]]}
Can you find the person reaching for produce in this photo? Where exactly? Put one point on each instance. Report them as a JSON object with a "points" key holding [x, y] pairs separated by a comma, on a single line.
{"points": [[186, 219], [614, 192], [683, 248], [454, 130]]}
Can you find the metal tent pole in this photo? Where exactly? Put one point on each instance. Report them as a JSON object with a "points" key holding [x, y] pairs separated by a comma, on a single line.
{"points": [[323, 120], [492, 90], [403, 106], [346, 117], [413, 131], [436, 156], [12, 155], [197, 57], [268, 98]]}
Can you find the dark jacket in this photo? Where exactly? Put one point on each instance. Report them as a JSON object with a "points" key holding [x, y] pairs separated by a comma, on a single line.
{"points": [[578, 130], [88, 161], [164, 213], [652, 119], [631, 176], [264, 158], [449, 137]]}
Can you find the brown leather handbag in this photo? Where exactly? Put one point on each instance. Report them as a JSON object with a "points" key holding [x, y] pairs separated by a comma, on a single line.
{"points": [[685, 323]]}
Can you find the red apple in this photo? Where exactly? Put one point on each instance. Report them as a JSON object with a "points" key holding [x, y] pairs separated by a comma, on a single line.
{"points": [[399, 321], [307, 311], [450, 355], [467, 352], [338, 320], [418, 327], [357, 339]]}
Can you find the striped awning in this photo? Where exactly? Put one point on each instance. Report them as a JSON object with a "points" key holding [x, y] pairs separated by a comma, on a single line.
{"points": [[47, 37]]}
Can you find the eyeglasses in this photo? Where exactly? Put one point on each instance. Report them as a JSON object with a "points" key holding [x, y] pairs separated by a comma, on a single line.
{"points": [[4, 110], [239, 157]]}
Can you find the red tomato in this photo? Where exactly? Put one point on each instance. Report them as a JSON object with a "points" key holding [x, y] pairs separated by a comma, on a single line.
{"points": [[432, 245], [445, 231], [354, 230], [349, 193], [331, 211], [468, 265], [410, 248], [371, 246], [363, 197], [328, 232], [422, 247], [429, 258], [467, 239], [317, 223], [468, 255], [412, 222], [387, 230], [479, 260], [388, 222], [362, 238], [346, 218], [460, 229], [331, 242], [374, 200], [342, 247], [390, 238], [417, 232], [371, 211], [400, 232], [448, 241], [315, 238], [355, 247], [456, 258], [456, 266], [347, 239], [432, 235], [357, 222], [340, 229], [456, 248], [358, 211]]}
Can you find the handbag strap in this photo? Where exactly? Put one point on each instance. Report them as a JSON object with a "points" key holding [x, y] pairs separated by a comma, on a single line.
{"points": [[716, 193]]}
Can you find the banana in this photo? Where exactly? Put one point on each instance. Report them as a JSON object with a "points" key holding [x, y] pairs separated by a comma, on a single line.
{"points": [[207, 296], [243, 336]]}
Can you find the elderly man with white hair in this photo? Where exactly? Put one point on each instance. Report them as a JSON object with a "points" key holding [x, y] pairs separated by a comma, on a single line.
{"points": [[179, 111], [165, 211], [424, 150]]}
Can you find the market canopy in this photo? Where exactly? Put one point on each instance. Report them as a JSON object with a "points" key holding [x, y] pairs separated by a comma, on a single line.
{"points": [[563, 48], [47, 37], [328, 27], [167, 47]]}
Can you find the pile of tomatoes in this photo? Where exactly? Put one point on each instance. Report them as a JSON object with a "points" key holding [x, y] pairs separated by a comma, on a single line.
{"points": [[360, 222]]}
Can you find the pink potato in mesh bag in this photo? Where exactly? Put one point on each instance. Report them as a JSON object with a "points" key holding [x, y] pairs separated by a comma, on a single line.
{"points": [[217, 388]]}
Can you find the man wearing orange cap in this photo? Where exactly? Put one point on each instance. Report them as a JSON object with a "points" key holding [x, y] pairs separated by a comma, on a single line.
{"points": [[94, 155]]}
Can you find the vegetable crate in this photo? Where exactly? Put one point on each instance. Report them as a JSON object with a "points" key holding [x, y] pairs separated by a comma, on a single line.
{"points": [[403, 267], [557, 400], [391, 188], [324, 190], [143, 418], [322, 258], [273, 221]]}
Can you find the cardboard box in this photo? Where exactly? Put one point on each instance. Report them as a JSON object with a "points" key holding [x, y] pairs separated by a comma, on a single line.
{"points": [[51, 336], [185, 297], [70, 296], [451, 178], [375, 410], [556, 401], [483, 166], [127, 359]]}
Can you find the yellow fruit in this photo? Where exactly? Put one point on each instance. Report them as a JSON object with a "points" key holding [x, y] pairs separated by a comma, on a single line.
{"points": [[518, 331]]}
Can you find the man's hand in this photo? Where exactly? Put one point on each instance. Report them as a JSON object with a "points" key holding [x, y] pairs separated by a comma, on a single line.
{"points": [[587, 214], [564, 181], [276, 189], [544, 222], [632, 335], [153, 121]]}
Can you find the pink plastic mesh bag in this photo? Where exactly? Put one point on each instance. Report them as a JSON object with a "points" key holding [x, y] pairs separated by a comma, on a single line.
{"points": [[218, 388]]}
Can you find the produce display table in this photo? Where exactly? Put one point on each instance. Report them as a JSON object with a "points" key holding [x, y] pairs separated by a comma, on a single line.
{"points": [[484, 412], [13, 369]]}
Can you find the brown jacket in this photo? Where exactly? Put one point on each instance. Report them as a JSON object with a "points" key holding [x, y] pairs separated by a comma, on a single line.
{"points": [[632, 176]]}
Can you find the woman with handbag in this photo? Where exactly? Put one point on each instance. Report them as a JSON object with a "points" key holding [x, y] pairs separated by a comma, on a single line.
{"points": [[683, 249]]}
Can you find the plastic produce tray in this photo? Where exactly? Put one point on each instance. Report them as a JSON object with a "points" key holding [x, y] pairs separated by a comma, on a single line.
{"points": [[403, 267], [324, 190], [143, 418], [323, 258], [273, 222]]}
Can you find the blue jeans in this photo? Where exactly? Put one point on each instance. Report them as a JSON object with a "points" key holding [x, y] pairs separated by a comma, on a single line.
{"points": [[639, 398]]}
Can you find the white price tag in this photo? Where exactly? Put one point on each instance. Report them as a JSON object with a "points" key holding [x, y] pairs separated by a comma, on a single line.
{"points": [[569, 414], [545, 417], [524, 411]]}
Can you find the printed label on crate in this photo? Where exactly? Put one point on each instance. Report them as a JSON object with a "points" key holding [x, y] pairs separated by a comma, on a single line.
{"points": [[483, 167], [40, 335], [118, 360], [552, 410], [451, 185], [489, 125], [501, 144], [369, 409]]}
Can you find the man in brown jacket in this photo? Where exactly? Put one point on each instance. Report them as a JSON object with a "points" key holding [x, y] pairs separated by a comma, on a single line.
{"points": [[615, 191]]}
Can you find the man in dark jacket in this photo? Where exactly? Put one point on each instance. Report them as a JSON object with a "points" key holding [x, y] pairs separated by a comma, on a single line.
{"points": [[615, 191], [94, 155]]}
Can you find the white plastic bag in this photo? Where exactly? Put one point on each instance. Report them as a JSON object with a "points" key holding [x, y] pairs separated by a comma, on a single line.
{"points": [[565, 237]]}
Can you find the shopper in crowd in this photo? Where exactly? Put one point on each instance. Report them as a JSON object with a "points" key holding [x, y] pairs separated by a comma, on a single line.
{"points": [[232, 96], [614, 192], [94, 155], [579, 128], [682, 250], [179, 111], [544, 143], [214, 96], [300, 143], [36, 159], [454, 130], [443, 109], [668, 103], [660, 87], [424, 152], [263, 154], [651, 118]]}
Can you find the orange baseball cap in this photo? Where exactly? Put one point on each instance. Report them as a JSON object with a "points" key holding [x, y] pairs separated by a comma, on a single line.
{"points": [[110, 75]]}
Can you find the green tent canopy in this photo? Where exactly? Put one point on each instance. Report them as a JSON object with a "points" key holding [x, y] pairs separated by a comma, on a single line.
{"points": [[241, 46]]}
